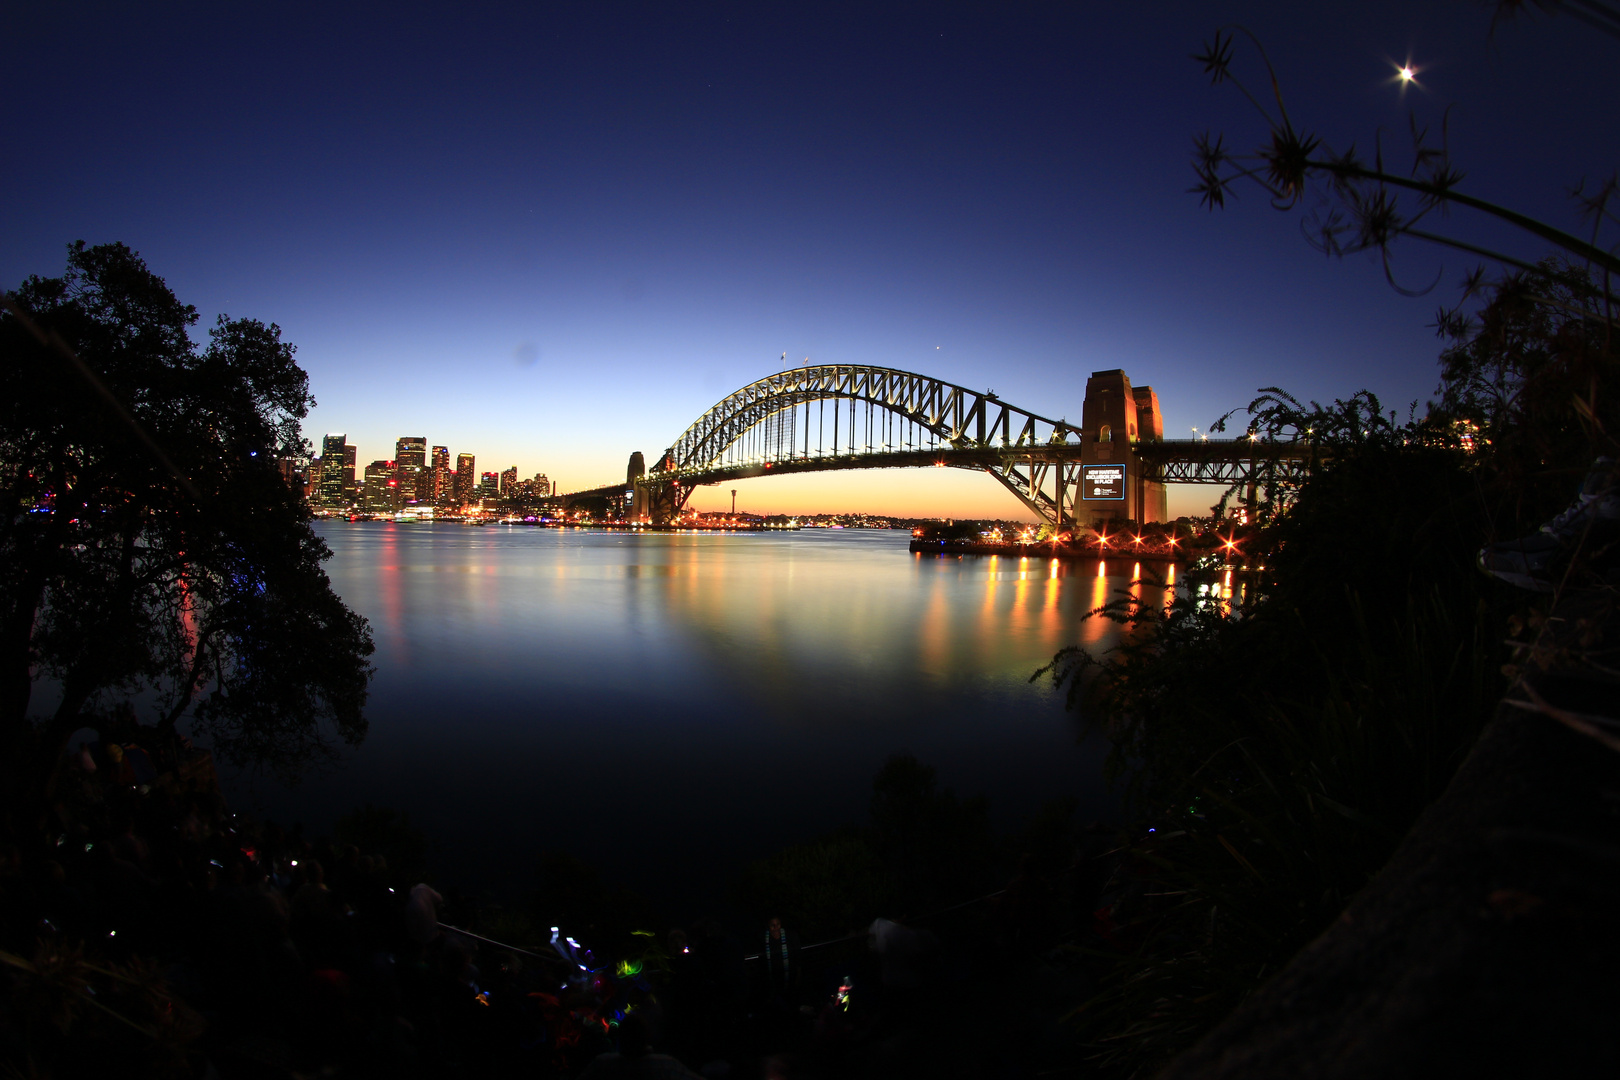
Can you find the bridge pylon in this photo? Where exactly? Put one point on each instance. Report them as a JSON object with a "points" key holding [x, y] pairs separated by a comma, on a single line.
{"points": [[1114, 482], [658, 500]]}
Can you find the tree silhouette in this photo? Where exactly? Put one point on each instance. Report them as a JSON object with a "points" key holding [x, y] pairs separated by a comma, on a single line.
{"points": [[150, 550]]}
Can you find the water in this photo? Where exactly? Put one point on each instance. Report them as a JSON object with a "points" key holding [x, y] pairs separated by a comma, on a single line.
{"points": [[670, 706]]}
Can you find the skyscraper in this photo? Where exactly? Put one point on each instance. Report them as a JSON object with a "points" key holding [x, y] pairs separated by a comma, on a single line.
{"points": [[381, 493], [489, 487], [410, 468], [333, 458], [509, 481], [466, 479], [441, 492], [351, 490]]}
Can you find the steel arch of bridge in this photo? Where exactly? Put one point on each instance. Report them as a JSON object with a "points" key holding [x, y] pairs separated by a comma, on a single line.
{"points": [[932, 422], [962, 418]]}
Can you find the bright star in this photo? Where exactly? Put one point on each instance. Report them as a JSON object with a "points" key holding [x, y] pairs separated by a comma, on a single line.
{"points": [[1406, 74]]}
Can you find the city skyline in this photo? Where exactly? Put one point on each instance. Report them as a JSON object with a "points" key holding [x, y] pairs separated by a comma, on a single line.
{"points": [[562, 235], [334, 479]]}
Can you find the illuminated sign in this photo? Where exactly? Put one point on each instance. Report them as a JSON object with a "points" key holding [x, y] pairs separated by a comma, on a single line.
{"points": [[1102, 482]]}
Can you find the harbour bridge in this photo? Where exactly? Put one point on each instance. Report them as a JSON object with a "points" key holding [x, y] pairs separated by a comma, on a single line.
{"points": [[1114, 463]]}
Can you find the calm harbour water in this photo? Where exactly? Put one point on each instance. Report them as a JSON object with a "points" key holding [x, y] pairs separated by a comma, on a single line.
{"points": [[670, 706]]}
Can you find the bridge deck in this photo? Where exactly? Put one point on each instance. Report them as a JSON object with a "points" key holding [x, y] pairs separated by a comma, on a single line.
{"points": [[1175, 461], [1172, 461]]}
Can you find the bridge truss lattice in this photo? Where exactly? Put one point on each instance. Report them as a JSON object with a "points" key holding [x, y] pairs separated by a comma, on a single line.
{"points": [[842, 416]]}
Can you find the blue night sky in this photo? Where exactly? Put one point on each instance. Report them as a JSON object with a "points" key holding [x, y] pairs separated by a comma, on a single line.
{"points": [[553, 234]]}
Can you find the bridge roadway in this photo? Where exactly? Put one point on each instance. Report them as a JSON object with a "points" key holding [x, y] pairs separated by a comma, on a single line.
{"points": [[1169, 461]]}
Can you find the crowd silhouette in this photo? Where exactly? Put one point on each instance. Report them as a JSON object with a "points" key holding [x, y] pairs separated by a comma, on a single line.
{"points": [[266, 953]]}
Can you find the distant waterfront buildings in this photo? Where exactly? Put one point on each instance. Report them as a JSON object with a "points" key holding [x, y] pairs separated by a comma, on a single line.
{"points": [[417, 475]]}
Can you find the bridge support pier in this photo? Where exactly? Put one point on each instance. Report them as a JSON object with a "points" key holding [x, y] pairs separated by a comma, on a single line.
{"points": [[1116, 418], [659, 503]]}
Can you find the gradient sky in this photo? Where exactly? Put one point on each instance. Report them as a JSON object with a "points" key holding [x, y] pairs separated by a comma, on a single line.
{"points": [[554, 234]]}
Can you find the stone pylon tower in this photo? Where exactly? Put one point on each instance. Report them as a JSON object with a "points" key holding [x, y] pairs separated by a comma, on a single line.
{"points": [[1115, 417], [640, 504]]}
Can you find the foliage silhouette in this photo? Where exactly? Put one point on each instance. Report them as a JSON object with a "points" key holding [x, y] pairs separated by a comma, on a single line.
{"points": [[1275, 746], [151, 550]]}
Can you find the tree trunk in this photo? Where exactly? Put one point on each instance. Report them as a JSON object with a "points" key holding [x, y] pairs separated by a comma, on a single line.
{"points": [[183, 695]]}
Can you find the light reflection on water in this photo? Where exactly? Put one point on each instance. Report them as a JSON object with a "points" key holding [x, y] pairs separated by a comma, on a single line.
{"points": [[672, 705]]}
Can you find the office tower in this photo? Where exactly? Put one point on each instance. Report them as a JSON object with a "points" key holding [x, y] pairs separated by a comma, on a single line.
{"points": [[509, 481], [410, 467], [489, 487], [542, 486], [351, 490], [333, 456], [381, 494], [466, 479], [410, 450], [440, 486]]}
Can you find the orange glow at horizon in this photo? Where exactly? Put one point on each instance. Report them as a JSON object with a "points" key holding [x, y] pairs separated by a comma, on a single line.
{"points": [[923, 492]]}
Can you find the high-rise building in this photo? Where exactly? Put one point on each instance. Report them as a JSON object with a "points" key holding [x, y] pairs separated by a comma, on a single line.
{"points": [[440, 465], [351, 490], [334, 489], [489, 487], [410, 468], [381, 494], [410, 450], [509, 482], [466, 479], [542, 486]]}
